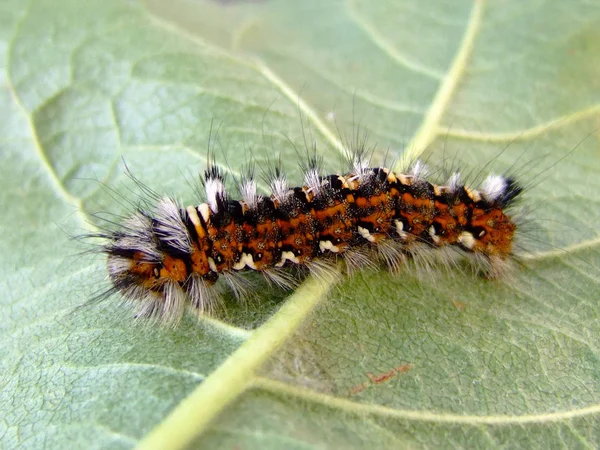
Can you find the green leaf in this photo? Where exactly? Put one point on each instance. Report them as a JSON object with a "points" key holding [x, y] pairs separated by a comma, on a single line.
{"points": [[374, 361]]}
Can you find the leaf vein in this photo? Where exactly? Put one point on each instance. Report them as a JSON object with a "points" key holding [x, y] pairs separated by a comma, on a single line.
{"points": [[428, 130], [354, 407], [525, 134], [387, 48]]}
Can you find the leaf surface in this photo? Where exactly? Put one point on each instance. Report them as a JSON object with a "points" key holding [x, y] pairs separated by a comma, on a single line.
{"points": [[431, 359]]}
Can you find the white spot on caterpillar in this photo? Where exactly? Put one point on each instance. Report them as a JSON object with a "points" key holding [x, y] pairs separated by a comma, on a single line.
{"points": [[366, 234], [313, 181], [327, 245], [248, 260], [451, 186], [204, 212], [193, 215], [454, 182], [248, 191], [406, 180], [212, 265], [344, 182], [280, 189], [287, 256], [493, 187], [466, 239], [245, 260], [436, 239], [473, 194], [360, 165], [400, 228], [215, 189], [240, 264]]}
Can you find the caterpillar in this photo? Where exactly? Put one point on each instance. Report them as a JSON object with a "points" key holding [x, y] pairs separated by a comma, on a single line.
{"points": [[166, 258]]}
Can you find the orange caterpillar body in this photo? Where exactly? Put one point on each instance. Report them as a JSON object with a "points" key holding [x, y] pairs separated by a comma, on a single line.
{"points": [[170, 257]]}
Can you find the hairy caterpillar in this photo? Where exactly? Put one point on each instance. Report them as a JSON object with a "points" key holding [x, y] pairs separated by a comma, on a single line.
{"points": [[166, 257]]}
